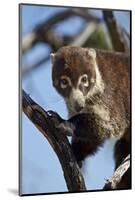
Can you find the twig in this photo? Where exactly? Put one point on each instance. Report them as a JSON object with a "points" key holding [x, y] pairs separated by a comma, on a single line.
{"points": [[57, 140], [118, 175]]}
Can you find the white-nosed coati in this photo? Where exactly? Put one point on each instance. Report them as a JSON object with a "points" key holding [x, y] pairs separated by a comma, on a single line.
{"points": [[95, 85]]}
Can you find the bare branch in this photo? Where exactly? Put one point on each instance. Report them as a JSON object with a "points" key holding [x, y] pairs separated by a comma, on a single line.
{"points": [[57, 18], [57, 140], [49, 37], [28, 42], [114, 30], [53, 39], [42, 32], [84, 13], [118, 174], [85, 34]]}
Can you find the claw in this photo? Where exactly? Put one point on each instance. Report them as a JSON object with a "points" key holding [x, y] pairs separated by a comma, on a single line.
{"points": [[54, 117], [60, 123], [52, 113]]}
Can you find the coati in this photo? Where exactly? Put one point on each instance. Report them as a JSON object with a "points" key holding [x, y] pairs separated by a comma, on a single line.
{"points": [[95, 85]]}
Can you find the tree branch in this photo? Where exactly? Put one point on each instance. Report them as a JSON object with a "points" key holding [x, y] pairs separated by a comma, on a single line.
{"points": [[42, 32], [118, 175], [58, 141], [85, 34], [114, 30]]}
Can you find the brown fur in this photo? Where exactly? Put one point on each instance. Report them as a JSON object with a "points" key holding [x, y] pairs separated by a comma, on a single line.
{"points": [[114, 69]]}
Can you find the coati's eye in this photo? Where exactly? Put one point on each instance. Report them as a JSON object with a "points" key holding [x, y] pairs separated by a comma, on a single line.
{"points": [[65, 82], [84, 80]]}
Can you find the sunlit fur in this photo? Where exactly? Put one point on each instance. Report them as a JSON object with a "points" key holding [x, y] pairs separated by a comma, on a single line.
{"points": [[105, 97]]}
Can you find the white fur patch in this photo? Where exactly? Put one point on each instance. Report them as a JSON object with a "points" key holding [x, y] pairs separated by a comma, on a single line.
{"points": [[86, 84], [77, 95], [101, 112], [92, 53], [92, 80], [99, 84]]}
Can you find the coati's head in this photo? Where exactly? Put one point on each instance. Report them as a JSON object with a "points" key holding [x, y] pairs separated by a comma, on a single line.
{"points": [[75, 75]]}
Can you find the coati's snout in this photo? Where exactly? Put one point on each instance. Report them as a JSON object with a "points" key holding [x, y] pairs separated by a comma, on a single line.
{"points": [[76, 100]]}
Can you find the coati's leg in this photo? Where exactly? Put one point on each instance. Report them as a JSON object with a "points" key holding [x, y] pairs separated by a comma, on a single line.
{"points": [[84, 146], [122, 149], [82, 149], [85, 141]]}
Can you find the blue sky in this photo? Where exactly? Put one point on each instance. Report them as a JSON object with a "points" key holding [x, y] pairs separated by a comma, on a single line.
{"points": [[41, 170]]}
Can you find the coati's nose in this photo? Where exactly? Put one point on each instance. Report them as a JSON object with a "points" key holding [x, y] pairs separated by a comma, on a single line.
{"points": [[78, 107], [77, 100]]}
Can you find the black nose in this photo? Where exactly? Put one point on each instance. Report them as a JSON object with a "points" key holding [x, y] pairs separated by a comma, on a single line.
{"points": [[78, 107]]}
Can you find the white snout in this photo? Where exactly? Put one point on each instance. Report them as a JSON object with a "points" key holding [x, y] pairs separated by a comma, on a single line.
{"points": [[77, 100]]}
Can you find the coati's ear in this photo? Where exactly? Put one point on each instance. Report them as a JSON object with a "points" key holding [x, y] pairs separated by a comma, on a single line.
{"points": [[52, 57], [92, 53]]}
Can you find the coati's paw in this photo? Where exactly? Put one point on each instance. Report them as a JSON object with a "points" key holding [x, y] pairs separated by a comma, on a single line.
{"points": [[55, 118], [62, 125], [52, 113]]}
